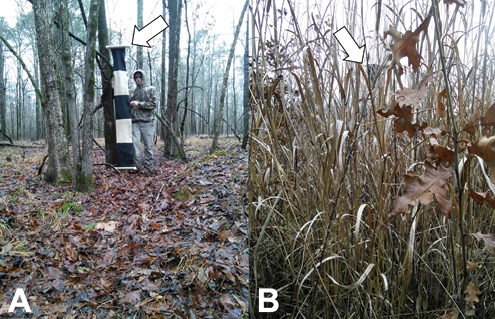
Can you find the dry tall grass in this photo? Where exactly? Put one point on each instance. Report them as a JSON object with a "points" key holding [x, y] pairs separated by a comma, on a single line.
{"points": [[325, 168]]}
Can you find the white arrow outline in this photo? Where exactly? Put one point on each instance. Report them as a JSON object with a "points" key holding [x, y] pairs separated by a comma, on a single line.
{"points": [[350, 46], [153, 29]]}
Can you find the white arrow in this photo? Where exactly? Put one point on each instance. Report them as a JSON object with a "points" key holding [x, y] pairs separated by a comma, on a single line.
{"points": [[354, 53], [148, 32]]}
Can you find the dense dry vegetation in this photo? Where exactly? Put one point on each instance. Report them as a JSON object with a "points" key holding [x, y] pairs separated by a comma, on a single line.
{"points": [[368, 182]]}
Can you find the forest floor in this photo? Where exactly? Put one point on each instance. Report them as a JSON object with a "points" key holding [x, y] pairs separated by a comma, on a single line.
{"points": [[169, 245]]}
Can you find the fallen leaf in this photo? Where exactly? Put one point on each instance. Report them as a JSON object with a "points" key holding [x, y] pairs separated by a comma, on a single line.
{"points": [[108, 226], [132, 297]]}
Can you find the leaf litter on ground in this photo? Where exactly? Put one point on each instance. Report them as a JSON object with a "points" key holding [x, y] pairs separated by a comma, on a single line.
{"points": [[161, 246]]}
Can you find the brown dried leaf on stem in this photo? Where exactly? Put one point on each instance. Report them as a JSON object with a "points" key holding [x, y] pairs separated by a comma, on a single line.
{"points": [[472, 291], [488, 120], [405, 45], [481, 198], [439, 154], [415, 96], [442, 96], [469, 127], [489, 240], [423, 187], [484, 148]]}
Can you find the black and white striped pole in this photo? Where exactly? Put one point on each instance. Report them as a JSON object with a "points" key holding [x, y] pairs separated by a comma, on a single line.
{"points": [[122, 109]]}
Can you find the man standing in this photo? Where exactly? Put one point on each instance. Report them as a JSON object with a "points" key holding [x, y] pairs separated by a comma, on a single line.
{"points": [[143, 102]]}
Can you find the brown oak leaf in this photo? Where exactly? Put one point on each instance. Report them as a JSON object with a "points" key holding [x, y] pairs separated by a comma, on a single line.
{"points": [[434, 131], [471, 266], [442, 96], [480, 198], [484, 148], [472, 291], [440, 154], [132, 297], [489, 240], [469, 127], [488, 120], [404, 115], [405, 45], [414, 97], [423, 187]]}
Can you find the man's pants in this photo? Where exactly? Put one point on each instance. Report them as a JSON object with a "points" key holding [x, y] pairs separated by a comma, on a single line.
{"points": [[143, 130]]}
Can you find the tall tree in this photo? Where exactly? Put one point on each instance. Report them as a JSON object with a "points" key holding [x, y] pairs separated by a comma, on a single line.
{"points": [[3, 111], [245, 91], [84, 166], [219, 113], [106, 82], [68, 79], [174, 11], [139, 55], [59, 168], [162, 77], [186, 98]]}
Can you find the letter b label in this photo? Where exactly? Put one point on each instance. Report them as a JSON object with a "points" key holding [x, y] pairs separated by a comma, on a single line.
{"points": [[272, 300]]}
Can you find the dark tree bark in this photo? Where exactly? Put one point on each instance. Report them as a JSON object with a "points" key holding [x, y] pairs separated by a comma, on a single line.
{"points": [[106, 97], [175, 8], [245, 95], [186, 100], [68, 79], [59, 168], [2, 95], [218, 116], [162, 78], [84, 167]]}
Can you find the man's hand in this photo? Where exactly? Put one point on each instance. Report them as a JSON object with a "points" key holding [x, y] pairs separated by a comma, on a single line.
{"points": [[134, 103]]}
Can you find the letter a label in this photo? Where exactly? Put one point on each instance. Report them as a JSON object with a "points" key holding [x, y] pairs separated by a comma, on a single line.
{"points": [[19, 293], [272, 300]]}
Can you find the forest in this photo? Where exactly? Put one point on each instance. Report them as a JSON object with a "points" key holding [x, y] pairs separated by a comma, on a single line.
{"points": [[338, 156], [371, 184], [82, 235]]}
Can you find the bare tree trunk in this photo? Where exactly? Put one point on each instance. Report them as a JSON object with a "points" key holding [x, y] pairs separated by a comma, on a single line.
{"points": [[84, 177], [68, 76], [183, 122], [163, 71], [3, 111], [39, 110], [245, 95], [109, 126], [218, 117], [173, 69], [139, 55], [59, 168]]}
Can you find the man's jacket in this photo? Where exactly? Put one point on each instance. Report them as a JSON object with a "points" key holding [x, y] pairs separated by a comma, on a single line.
{"points": [[145, 94]]}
